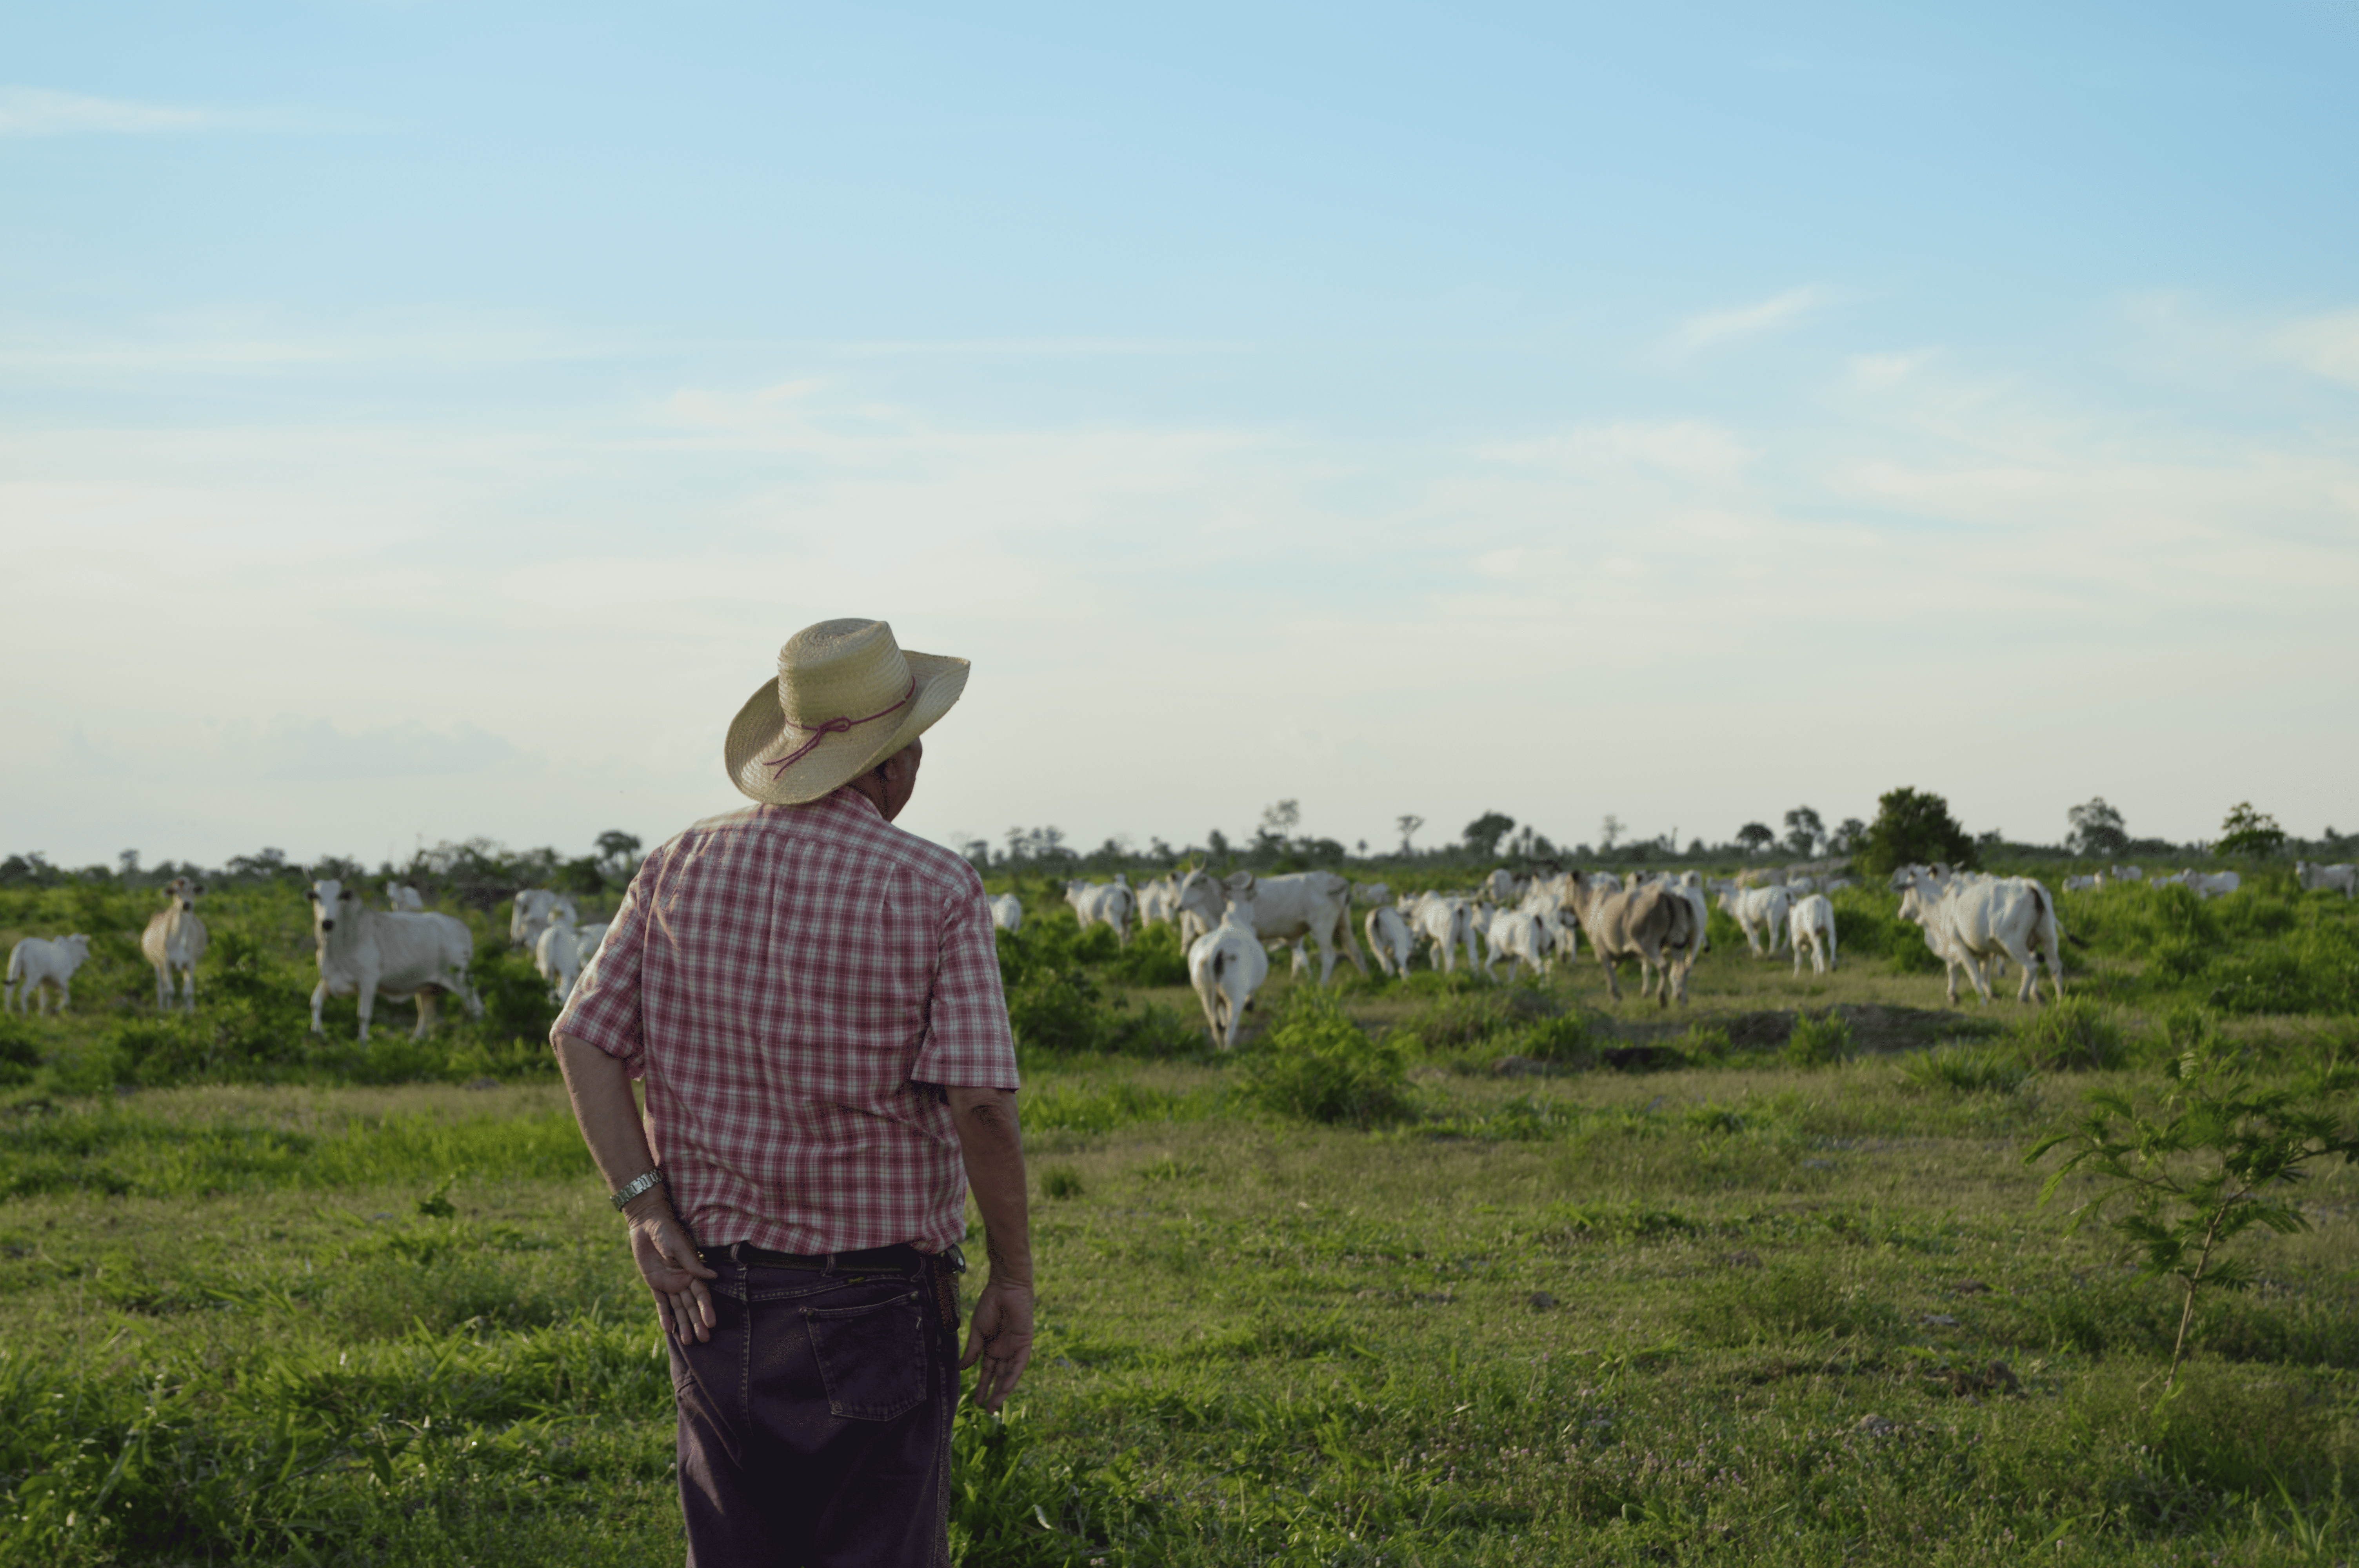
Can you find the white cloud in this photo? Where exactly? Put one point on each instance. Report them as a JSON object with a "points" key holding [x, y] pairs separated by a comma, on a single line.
{"points": [[2324, 345], [1744, 321], [38, 112]]}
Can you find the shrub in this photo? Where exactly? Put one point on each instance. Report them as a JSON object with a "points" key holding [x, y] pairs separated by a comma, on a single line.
{"points": [[2071, 1033], [1318, 1065], [1913, 828], [20, 1053], [1819, 1041], [1060, 1182], [1869, 923]]}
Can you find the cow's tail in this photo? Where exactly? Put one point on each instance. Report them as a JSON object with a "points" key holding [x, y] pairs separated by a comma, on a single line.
{"points": [[16, 963], [2052, 933]]}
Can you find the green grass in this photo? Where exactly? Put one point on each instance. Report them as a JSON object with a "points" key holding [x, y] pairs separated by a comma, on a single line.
{"points": [[1624, 1306]]}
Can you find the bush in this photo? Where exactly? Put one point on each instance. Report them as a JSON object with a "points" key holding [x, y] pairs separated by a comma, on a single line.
{"points": [[1868, 924], [1318, 1065], [1819, 1041], [2072, 1033], [1563, 1040], [20, 1053]]}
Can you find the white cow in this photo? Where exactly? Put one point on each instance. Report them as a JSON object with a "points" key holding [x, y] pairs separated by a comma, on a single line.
{"points": [[1760, 914], [1522, 935], [404, 899], [2128, 874], [2342, 879], [374, 954], [1389, 941], [1226, 965], [2214, 884], [530, 916], [1109, 903], [1316, 904], [558, 955], [1008, 912], [2078, 884], [1810, 923], [1969, 924], [175, 939], [1158, 902], [35, 962], [1501, 886], [1447, 923], [1371, 893]]}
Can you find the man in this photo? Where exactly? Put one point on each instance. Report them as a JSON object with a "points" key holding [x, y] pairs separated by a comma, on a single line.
{"points": [[811, 997]]}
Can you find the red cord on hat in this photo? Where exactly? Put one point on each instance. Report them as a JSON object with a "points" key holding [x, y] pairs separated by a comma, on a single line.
{"points": [[835, 727]]}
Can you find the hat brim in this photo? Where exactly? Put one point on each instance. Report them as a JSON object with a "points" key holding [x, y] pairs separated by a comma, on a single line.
{"points": [[760, 731]]}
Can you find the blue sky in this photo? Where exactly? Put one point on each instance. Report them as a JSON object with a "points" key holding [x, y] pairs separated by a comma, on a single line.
{"points": [[419, 420]]}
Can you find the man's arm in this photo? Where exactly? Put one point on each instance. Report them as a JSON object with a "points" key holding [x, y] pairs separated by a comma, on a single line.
{"points": [[609, 1114], [1000, 1334]]}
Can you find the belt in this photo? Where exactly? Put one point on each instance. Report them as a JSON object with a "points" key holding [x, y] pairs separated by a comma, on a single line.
{"points": [[901, 1257]]}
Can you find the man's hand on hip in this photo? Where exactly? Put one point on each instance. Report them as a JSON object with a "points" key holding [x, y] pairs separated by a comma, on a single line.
{"points": [[668, 1260], [1000, 1336]]}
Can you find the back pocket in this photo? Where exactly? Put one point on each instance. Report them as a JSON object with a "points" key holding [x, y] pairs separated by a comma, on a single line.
{"points": [[873, 1358]]}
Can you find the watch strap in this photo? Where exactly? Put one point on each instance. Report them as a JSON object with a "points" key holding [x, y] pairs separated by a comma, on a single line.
{"points": [[636, 1186]]}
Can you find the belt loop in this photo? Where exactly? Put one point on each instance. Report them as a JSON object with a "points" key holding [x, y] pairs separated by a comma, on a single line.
{"points": [[733, 1251], [830, 1263]]}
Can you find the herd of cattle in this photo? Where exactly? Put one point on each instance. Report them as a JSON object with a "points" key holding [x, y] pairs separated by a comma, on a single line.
{"points": [[1975, 924]]}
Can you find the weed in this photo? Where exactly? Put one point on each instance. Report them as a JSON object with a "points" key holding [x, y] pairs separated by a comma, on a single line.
{"points": [[1820, 1041], [1968, 1069], [1059, 1181], [1318, 1065], [2071, 1033], [2218, 1156]]}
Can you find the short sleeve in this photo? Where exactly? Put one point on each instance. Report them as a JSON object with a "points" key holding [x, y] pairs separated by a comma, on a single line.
{"points": [[603, 1010], [968, 1042]]}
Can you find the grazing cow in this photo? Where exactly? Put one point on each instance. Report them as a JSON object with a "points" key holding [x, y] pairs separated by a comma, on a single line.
{"points": [[1226, 965], [1158, 902], [1654, 925], [2214, 884], [1316, 904], [2342, 879], [1810, 923], [2128, 874], [1008, 912], [530, 916], [1389, 942], [1448, 924], [1969, 924], [558, 954], [1522, 935], [1109, 903], [1501, 886], [2078, 885], [403, 899], [397, 956], [1760, 914], [175, 939], [1371, 893], [35, 962]]}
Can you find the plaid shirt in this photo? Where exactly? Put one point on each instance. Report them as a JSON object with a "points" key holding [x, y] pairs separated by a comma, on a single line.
{"points": [[790, 981]]}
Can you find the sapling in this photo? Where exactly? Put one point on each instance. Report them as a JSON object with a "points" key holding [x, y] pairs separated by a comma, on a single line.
{"points": [[2217, 1156]]}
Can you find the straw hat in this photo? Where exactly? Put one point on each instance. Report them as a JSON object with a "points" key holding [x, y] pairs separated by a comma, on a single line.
{"points": [[847, 696]]}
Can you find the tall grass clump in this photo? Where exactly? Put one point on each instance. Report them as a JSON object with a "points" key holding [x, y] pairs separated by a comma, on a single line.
{"points": [[1317, 1064], [1968, 1070], [2072, 1033], [1869, 919], [1820, 1041], [1563, 1041]]}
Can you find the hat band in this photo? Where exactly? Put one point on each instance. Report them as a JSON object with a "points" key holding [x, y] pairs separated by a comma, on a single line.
{"points": [[835, 727]]}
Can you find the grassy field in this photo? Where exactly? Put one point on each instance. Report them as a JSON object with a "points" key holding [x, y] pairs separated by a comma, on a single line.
{"points": [[1731, 1308]]}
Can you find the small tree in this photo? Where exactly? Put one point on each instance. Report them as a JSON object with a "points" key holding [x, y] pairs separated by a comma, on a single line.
{"points": [[2249, 832], [1408, 824], [1755, 837], [1913, 827], [2218, 1157], [1847, 837], [2097, 829], [1803, 830], [1483, 834], [618, 853], [1609, 833]]}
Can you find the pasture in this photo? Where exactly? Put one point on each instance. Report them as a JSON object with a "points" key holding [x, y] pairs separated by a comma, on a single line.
{"points": [[1761, 1279]]}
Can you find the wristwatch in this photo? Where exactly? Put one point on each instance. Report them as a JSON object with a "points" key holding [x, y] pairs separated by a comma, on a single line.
{"points": [[636, 1186]]}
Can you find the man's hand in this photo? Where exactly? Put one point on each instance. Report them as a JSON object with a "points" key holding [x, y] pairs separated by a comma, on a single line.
{"points": [[668, 1260], [1000, 1336]]}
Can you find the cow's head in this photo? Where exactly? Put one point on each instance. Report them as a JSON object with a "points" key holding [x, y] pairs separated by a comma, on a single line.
{"points": [[78, 945], [1201, 893], [330, 899]]}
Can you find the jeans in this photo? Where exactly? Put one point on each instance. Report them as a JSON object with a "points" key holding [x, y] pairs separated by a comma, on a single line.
{"points": [[815, 1423]]}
